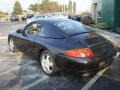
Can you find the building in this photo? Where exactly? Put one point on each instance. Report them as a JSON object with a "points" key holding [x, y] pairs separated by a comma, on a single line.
{"points": [[96, 9], [99, 6], [109, 10]]}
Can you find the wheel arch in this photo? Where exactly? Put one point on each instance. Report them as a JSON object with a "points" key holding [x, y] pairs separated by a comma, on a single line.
{"points": [[43, 49]]}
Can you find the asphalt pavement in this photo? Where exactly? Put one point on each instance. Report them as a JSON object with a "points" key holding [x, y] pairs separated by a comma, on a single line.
{"points": [[20, 72]]}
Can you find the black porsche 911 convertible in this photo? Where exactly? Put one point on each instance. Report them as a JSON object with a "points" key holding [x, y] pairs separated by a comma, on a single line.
{"points": [[63, 44]]}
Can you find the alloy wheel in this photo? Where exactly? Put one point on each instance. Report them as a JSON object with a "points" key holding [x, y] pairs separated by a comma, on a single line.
{"points": [[47, 63], [11, 45]]}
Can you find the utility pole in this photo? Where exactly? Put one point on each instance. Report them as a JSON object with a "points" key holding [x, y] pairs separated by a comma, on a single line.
{"points": [[94, 12], [38, 7], [74, 7], [62, 8]]}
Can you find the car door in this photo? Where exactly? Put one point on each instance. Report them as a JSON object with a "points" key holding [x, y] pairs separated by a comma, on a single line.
{"points": [[39, 40], [26, 40]]}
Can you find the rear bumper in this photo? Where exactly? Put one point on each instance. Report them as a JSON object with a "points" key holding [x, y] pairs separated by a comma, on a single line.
{"points": [[84, 65]]}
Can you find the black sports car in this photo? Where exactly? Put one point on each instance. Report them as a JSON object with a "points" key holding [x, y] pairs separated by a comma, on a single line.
{"points": [[63, 44]]}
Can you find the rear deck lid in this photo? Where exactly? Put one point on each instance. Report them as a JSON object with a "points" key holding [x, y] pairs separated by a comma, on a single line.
{"points": [[100, 46]]}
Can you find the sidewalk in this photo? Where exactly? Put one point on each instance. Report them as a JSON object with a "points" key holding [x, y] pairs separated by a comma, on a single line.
{"points": [[115, 38]]}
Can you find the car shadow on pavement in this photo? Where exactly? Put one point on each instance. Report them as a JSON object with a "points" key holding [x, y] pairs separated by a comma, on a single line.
{"points": [[106, 83], [110, 80], [33, 78]]}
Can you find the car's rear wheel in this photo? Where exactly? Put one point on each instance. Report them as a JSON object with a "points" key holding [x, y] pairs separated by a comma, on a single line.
{"points": [[48, 63]]}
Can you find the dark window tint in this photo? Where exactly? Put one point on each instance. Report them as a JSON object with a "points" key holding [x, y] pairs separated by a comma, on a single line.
{"points": [[51, 31], [40, 29], [71, 27]]}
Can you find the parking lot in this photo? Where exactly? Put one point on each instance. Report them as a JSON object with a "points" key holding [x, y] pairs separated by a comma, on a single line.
{"points": [[20, 72]]}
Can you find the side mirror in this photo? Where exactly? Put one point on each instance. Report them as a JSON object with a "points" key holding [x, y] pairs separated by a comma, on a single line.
{"points": [[19, 31]]}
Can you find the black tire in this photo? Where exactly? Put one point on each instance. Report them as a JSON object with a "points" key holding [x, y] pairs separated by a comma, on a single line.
{"points": [[55, 69]]}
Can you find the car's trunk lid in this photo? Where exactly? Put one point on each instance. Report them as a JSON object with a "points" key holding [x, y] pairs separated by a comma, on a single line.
{"points": [[101, 47]]}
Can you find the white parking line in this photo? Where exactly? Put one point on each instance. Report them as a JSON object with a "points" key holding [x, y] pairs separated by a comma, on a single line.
{"points": [[3, 37], [27, 64], [93, 80], [6, 72], [31, 76], [35, 83]]}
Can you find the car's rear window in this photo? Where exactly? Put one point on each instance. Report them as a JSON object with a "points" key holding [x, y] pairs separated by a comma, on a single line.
{"points": [[70, 27]]}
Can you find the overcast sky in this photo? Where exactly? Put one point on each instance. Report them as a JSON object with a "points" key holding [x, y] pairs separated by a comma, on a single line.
{"points": [[7, 5]]}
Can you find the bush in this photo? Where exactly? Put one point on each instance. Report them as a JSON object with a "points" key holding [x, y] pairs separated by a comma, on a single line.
{"points": [[102, 25]]}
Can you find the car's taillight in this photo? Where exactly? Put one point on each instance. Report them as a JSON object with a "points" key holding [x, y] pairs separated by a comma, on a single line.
{"points": [[82, 52], [91, 36]]}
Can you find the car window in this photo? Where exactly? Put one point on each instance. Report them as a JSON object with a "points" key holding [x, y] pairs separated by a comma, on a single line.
{"points": [[32, 29], [40, 29], [71, 27], [35, 29], [50, 31]]}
